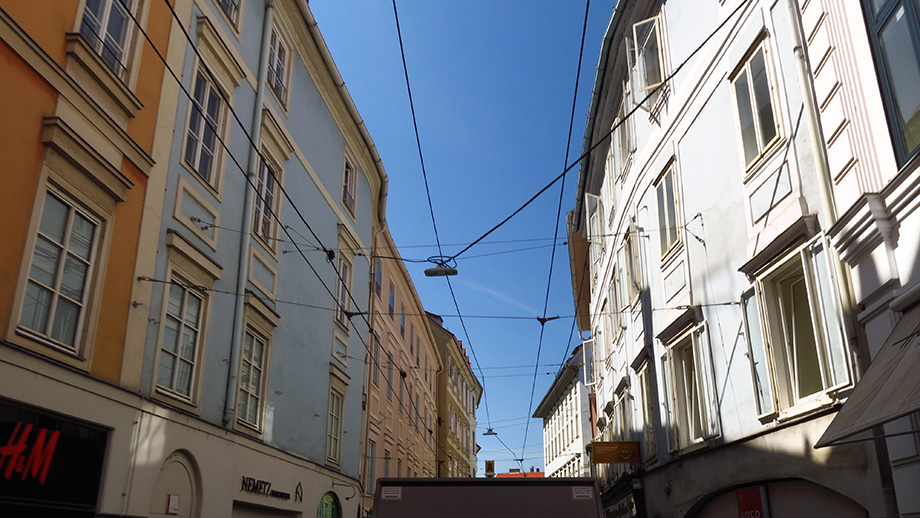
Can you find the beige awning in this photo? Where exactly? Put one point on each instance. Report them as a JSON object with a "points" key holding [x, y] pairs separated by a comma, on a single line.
{"points": [[890, 387]]}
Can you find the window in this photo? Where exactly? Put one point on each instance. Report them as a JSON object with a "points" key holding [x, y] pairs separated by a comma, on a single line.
{"points": [[180, 340], [378, 277], [894, 26], [252, 366], [757, 354], [623, 134], [334, 426], [801, 330], [629, 257], [263, 224], [231, 8], [371, 467], [386, 463], [668, 223], [694, 410], [754, 99], [278, 65], [595, 232], [389, 377], [349, 187], [375, 371], [343, 291], [106, 27], [648, 421], [649, 58], [59, 275], [391, 310], [201, 141], [402, 322]]}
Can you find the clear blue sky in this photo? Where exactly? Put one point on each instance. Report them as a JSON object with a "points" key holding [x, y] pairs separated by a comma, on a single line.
{"points": [[492, 82]]}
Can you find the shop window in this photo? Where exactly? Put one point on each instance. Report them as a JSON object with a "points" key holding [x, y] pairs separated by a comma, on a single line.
{"points": [[329, 507], [894, 27], [106, 27], [753, 92]]}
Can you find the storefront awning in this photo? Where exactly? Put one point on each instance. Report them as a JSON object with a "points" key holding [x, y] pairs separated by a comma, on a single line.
{"points": [[889, 389]]}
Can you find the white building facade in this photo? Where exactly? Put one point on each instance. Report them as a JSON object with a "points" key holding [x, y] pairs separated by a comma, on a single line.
{"points": [[567, 429], [705, 273]]}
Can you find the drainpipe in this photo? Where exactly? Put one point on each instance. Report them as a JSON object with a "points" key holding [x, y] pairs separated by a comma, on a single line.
{"points": [[829, 209], [246, 234]]}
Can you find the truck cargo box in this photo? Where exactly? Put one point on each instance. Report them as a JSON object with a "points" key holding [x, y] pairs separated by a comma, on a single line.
{"points": [[486, 498]]}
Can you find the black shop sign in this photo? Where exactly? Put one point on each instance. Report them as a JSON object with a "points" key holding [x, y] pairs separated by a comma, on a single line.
{"points": [[48, 462]]}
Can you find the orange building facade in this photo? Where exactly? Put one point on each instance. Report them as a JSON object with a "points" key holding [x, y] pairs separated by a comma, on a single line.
{"points": [[402, 414], [80, 99]]}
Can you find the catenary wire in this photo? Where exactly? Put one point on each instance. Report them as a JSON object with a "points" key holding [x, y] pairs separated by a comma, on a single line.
{"points": [[549, 280]]}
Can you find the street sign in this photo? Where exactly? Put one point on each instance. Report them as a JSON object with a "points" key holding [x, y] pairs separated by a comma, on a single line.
{"points": [[490, 468], [615, 452]]}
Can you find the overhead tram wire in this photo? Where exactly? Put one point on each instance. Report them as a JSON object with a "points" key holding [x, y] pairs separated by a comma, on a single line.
{"points": [[418, 142], [603, 137], [552, 259], [270, 209]]}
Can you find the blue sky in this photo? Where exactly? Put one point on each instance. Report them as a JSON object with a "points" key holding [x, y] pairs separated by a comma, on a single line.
{"points": [[492, 82]]}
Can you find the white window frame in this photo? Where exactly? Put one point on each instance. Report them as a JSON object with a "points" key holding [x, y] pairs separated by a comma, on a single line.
{"points": [[335, 424], [810, 264], [349, 186], [623, 134], [669, 218], [47, 335], [371, 467], [183, 324], [211, 92], [648, 421], [95, 30], [344, 274], [763, 143], [694, 415], [265, 205], [252, 392], [642, 59], [231, 9], [279, 65]]}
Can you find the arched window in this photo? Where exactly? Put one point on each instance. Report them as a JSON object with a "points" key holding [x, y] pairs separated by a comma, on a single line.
{"points": [[329, 507]]}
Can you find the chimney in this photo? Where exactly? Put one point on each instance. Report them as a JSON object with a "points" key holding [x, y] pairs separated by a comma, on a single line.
{"points": [[531, 469]]}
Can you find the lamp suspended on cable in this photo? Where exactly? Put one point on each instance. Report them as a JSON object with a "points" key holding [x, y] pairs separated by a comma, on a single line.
{"points": [[445, 267]]}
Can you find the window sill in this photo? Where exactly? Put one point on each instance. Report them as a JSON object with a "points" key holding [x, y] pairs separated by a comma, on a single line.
{"points": [[806, 408], [171, 398], [763, 160], [248, 429], [110, 85], [49, 347]]}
